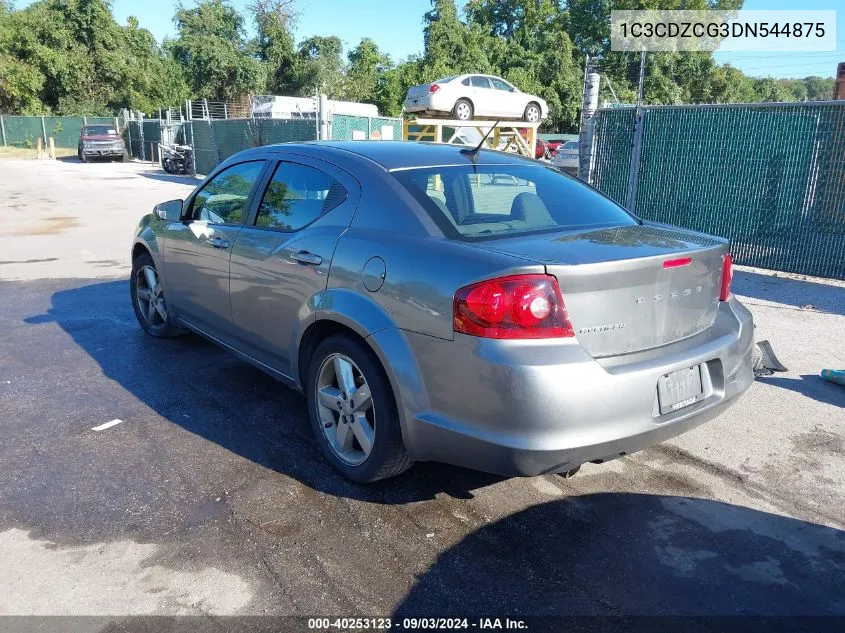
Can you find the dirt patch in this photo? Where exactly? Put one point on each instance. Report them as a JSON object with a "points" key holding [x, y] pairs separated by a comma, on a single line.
{"points": [[51, 226], [819, 441]]}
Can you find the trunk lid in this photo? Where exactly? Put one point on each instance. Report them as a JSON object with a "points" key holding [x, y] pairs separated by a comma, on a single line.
{"points": [[416, 92], [618, 294]]}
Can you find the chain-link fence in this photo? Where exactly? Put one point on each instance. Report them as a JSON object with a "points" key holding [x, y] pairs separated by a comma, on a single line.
{"points": [[350, 128], [771, 177], [24, 131]]}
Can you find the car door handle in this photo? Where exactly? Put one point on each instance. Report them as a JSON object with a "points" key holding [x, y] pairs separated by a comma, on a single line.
{"points": [[304, 257], [219, 242]]}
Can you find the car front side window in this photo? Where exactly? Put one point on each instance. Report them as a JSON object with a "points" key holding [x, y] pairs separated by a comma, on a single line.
{"points": [[498, 84], [223, 200]]}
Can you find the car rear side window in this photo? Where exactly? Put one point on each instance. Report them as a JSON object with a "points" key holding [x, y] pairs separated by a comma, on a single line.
{"points": [[480, 82], [478, 202], [224, 198], [296, 196]]}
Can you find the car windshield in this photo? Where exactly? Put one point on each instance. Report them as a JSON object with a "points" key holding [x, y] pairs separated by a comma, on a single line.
{"points": [[99, 130], [478, 202]]}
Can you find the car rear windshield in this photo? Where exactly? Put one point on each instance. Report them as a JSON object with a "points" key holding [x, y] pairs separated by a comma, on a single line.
{"points": [[99, 130], [483, 201]]}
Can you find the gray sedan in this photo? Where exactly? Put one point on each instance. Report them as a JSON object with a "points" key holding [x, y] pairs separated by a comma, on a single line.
{"points": [[433, 303]]}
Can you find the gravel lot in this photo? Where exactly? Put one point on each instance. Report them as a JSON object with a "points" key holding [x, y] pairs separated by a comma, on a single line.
{"points": [[211, 498]]}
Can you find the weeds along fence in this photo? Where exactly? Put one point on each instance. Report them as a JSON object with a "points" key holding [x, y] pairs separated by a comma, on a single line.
{"points": [[24, 131], [771, 177]]}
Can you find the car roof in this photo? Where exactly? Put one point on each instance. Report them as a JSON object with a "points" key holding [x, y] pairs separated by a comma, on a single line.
{"points": [[395, 155]]}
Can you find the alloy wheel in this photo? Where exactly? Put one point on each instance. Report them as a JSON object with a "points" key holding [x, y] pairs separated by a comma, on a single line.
{"points": [[532, 114], [345, 409], [150, 298], [463, 111]]}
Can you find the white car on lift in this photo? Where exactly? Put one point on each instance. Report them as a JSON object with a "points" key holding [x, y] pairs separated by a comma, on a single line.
{"points": [[465, 97]]}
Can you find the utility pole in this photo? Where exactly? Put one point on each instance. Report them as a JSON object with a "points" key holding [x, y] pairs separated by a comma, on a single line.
{"points": [[589, 104], [637, 149]]}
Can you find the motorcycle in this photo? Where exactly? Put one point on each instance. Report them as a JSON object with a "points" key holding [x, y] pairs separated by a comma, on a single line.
{"points": [[177, 159]]}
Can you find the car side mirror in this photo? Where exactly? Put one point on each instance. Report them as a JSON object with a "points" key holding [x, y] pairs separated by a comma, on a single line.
{"points": [[170, 211]]}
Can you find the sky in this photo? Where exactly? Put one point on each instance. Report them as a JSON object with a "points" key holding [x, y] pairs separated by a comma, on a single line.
{"points": [[396, 26]]}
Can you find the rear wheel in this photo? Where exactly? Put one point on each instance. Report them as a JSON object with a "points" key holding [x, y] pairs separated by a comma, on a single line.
{"points": [[148, 299], [353, 411], [463, 110], [82, 156], [532, 113]]}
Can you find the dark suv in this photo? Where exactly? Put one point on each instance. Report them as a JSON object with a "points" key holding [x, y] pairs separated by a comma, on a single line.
{"points": [[100, 141]]}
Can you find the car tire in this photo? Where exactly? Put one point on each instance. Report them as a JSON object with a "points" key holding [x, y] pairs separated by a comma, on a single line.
{"points": [[532, 113], [387, 456], [463, 110], [82, 157], [159, 322]]}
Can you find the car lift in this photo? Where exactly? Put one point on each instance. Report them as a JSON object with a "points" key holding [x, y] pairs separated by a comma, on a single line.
{"points": [[519, 137]]}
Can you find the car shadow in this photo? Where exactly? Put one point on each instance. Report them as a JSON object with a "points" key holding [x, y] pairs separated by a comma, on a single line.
{"points": [[811, 386], [794, 292], [211, 393], [178, 179], [618, 554]]}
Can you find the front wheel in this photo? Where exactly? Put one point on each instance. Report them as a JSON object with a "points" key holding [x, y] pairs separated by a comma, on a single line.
{"points": [[462, 110], [353, 411], [147, 293]]}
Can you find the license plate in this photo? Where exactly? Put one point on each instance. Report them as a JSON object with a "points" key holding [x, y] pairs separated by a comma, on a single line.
{"points": [[679, 389]]}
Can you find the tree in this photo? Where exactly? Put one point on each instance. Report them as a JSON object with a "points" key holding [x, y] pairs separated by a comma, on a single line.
{"points": [[320, 66], [210, 45], [451, 47], [275, 43], [72, 57], [367, 66]]}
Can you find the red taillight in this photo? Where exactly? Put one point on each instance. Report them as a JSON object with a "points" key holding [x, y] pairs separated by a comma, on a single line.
{"points": [[677, 263], [727, 275], [433, 88], [520, 306]]}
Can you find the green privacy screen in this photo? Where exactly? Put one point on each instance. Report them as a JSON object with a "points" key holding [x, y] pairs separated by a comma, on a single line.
{"points": [[769, 177], [23, 131], [215, 141], [613, 139], [350, 128]]}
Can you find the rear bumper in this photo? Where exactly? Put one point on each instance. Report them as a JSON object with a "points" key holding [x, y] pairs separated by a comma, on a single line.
{"points": [[429, 103], [548, 407]]}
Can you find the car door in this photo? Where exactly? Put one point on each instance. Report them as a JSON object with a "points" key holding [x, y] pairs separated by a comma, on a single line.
{"points": [[281, 259], [482, 96], [508, 102], [197, 249]]}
